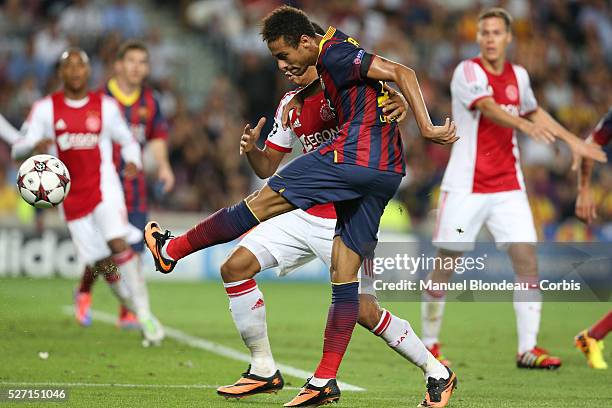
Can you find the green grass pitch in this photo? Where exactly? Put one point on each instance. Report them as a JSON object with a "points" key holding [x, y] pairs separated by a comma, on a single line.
{"points": [[478, 337]]}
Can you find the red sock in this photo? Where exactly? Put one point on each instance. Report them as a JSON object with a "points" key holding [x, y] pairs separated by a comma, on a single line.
{"points": [[225, 225], [600, 329], [123, 311], [341, 320], [112, 277], [87, 280]]}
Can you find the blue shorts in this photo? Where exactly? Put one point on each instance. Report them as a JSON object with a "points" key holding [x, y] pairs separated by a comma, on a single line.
{"points": [[359, 194], [139, 220]]}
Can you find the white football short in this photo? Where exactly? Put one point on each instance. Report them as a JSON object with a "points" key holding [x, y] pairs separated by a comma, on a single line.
{"points": [[293, 239], [506, 215], [91, 233]]}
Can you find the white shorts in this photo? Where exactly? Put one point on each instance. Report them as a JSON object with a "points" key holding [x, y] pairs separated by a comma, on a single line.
{"points": [[507, 216], [293, 239], [91, 233]]}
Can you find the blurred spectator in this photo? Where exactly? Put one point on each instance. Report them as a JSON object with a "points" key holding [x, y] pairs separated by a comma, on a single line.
{"points": [[83, 21], [14, 20], [123, 17], [27, 64], [596, 14], [50, 42], [162, 55]]}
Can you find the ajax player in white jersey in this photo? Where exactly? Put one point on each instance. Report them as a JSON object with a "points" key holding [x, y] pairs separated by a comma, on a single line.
{"points": [[293, 239], [80, 127], [483, 183]]}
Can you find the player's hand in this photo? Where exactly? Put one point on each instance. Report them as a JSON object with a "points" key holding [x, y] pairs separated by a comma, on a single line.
{"points": [[130, 170], [295, 104], [166, 176], [537, 132], [396, 106], [446, 134], [581, 149], [586, 210], [250, 136], [43, 146]]}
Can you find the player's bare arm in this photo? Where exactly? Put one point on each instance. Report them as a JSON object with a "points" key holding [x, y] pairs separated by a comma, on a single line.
{"points": [[492, 111], [263, 161], [586, 210], [578, 146], [295, 104], [34, 137], [159, 148], [405, 78]]}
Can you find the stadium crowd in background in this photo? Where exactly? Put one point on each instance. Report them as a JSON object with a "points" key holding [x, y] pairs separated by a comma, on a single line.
{"points": [[565, 45]]}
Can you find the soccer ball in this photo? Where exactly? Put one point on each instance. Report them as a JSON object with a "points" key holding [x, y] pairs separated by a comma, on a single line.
{"points": [[43, 181]]}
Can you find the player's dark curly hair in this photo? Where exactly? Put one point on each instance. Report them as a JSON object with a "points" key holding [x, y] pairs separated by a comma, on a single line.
{"points": [[287, 22], [318, 29]]}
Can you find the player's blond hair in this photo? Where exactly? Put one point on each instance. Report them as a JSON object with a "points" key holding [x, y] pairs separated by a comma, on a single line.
{"points": [[499, 13], [130, 45]]}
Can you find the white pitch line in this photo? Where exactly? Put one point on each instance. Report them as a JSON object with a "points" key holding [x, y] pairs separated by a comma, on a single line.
{"points": [[121, 385], [215, 348], [79, 384]]}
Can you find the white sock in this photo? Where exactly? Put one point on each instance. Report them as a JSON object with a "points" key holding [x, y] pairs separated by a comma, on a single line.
{"points": [[318, 382], [400, 337], [132, 275], [432, 311], [122, 293], [119, 287], [528, 309], [164, 251], [128, 264], [249, 313]]}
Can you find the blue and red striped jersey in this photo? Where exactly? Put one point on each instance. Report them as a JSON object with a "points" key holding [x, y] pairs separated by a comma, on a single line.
{"points": [[366, 138], [146, 121], [603, 131]]}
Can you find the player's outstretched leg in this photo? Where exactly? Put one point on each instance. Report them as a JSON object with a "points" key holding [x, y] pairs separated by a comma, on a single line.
{"points": [[400, 337], [248, 310], [528, 310], [225, 225], [590, 342]]}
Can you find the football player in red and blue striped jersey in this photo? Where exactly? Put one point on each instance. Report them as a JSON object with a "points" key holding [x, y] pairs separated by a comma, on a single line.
{"points": [[359, 171]]}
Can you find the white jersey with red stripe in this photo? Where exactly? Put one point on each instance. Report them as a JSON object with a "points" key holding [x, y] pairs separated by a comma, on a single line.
{"points": [[486, 157], [315, 125], [83, 132]]}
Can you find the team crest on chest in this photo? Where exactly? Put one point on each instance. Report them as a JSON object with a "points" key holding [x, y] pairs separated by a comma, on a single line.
{"points": [[93, 122], [143, 113], [512, 92], [60, 125], [326, 112]]}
